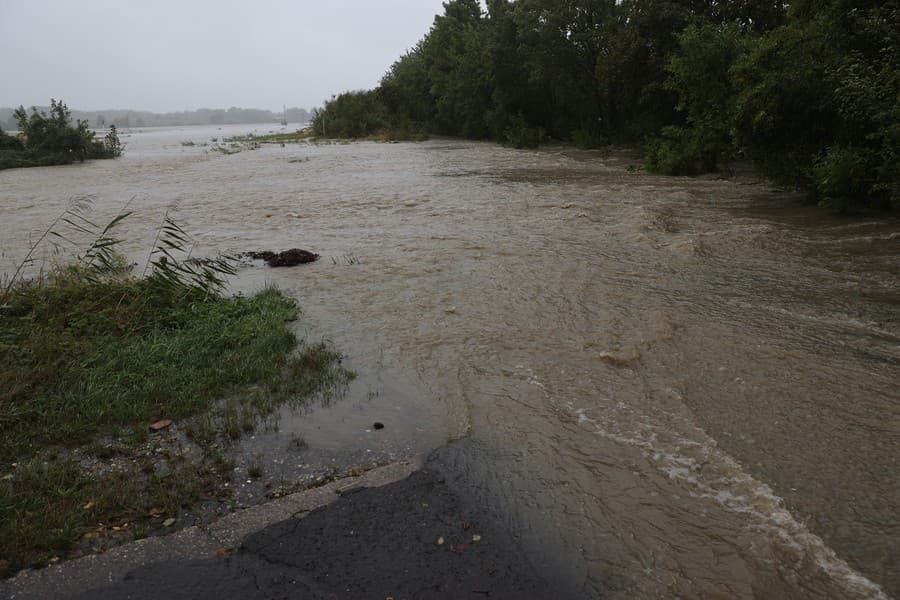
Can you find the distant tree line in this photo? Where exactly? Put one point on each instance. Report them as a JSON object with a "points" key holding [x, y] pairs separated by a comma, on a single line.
{"points": [[124, 119], [808, 89], [52, 139]]}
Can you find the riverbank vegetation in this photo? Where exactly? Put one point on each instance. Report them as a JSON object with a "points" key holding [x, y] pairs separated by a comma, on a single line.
{"points": [[806, 90], [362, 115], [120, 394], [54, 140]]}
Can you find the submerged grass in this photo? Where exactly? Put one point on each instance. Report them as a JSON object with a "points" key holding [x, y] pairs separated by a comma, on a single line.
{"points": [[301, 135], [91, 353], [309, 135]]}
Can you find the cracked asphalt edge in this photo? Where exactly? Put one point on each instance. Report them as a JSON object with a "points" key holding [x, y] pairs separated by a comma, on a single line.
{"points": [[197, 542]]}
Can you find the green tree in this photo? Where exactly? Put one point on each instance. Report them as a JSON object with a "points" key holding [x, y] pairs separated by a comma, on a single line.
{"points": [[700, 75], [351, 115], [560, 43], [53, 139], [405, 92], [458, 66], [818, 107], [54, 134]]}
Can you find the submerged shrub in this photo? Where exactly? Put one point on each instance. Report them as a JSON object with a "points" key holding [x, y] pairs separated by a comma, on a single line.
{"points": [[520, 135], [587, 140], [841, 179]]}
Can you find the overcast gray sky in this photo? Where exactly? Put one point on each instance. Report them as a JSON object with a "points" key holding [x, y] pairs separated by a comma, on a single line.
{"points": [[167, 55]]}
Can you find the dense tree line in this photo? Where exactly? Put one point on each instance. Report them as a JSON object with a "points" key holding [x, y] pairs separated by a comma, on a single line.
{"points": [[808, 89], [52, 139]]}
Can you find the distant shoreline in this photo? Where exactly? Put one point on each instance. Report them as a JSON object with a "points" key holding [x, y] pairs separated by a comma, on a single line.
{"points": [[129, 118]]}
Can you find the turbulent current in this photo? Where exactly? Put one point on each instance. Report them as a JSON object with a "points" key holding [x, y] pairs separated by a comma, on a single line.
{"points": [[667, 387]]}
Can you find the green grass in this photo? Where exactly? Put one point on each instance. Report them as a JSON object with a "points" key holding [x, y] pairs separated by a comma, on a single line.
{"points": [[85, 357], [49, 506], [80, 357]]}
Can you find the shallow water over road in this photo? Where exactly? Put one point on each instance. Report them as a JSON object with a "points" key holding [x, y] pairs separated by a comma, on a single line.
{"points": [[670, 387]]}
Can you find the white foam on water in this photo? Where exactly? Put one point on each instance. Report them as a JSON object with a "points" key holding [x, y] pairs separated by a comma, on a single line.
{"points": [[734, 489]]}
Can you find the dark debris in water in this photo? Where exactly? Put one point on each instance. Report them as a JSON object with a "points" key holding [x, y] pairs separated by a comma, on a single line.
{"points": [[287, 258]]}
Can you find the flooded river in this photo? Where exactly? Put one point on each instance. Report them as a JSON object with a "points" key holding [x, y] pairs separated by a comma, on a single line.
{"points": [[667, 387]]}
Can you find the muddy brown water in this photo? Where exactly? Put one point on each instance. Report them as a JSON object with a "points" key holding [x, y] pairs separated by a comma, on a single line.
{"points": [[671, 387]]}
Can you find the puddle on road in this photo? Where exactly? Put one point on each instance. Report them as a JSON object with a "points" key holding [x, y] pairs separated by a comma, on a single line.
{"points": [[381, 416]]}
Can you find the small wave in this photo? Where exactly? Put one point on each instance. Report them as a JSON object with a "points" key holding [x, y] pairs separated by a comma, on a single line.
{"points": [[733, 489]]}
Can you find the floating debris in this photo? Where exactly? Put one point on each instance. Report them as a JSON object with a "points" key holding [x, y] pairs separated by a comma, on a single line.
{"points": [[288, 258]]}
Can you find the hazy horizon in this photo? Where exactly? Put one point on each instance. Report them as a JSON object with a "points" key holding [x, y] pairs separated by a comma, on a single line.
{"points": [[180, 56]]}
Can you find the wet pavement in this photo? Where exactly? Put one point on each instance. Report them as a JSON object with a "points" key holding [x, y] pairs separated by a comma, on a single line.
{"points": [[423, 536]]}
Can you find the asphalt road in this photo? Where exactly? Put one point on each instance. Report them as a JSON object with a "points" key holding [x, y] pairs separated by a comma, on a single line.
{"points": [[419, 537]]}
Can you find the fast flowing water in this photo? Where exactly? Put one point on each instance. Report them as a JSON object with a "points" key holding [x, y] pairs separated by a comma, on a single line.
{"points": [[670, 387]]}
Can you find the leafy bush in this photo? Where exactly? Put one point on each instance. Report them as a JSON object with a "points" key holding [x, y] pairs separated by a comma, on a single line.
{"points": [[111, 143], [685, 151], [841, 177], [818, 107], [520, 135], [586, 140], [11, 149], [673, 154], [9, 142], [351, 115]]}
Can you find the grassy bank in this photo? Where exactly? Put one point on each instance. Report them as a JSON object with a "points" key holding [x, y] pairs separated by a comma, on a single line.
{"points": [[95, 363]]}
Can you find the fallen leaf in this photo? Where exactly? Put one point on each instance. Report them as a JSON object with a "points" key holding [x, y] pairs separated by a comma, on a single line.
{"points": [[161, 424], [155, 512], [222, 553], [89, 505], [440, 541], [90, 535], [169, 522], [476, 538]]}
